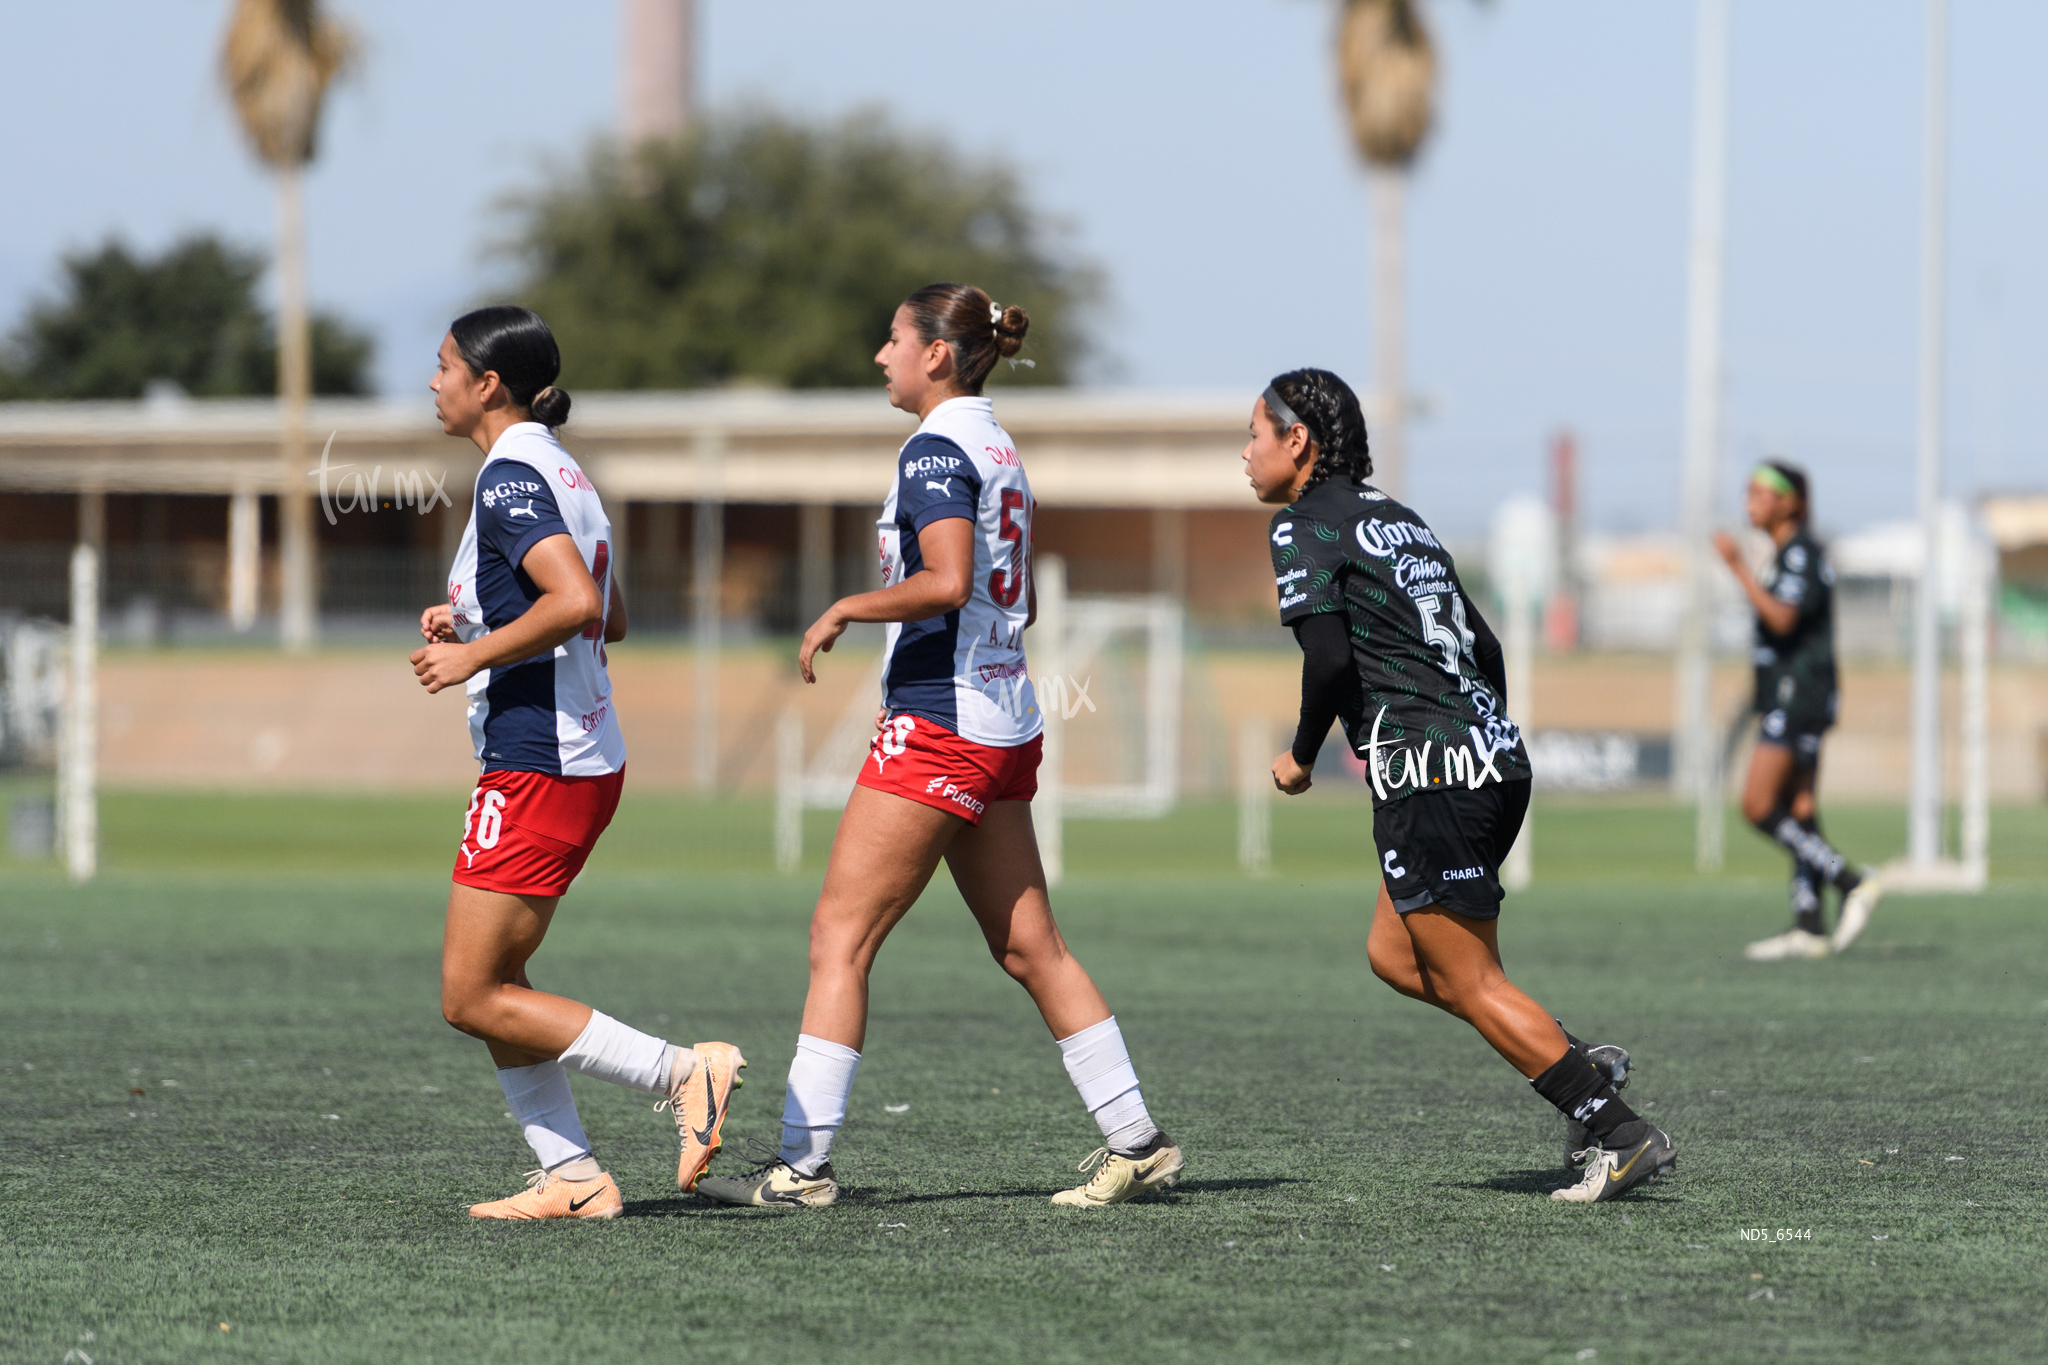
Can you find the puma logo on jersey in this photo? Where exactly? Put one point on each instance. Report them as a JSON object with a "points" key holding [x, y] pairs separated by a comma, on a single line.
{"points": [[945, 486], [526, 511]]}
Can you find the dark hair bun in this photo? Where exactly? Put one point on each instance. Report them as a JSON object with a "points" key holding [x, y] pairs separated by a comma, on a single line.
{"points": [[979, 331], [516, 344], [1010, 329], [550, 407]]}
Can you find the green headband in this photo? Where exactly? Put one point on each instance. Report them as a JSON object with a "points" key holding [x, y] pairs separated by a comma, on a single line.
{"points": [[1773, 480]]}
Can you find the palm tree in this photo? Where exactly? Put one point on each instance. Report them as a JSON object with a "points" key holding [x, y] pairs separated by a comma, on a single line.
{"points": [[278, 61], [1389, 73]]}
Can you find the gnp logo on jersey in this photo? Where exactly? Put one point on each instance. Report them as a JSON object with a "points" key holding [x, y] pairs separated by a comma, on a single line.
{"points": [[932, 464], [507, 489]]}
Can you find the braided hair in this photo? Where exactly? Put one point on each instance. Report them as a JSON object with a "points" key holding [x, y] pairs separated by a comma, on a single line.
{"points": [[1329, 409]]}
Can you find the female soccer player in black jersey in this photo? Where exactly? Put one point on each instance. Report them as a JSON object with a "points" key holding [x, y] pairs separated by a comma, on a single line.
{"points": [[1392, 645], [1796, 699]]}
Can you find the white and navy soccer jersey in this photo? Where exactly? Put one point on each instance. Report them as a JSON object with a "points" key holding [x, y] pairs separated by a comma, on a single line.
{"points": [[964, 670], [551, 713]]}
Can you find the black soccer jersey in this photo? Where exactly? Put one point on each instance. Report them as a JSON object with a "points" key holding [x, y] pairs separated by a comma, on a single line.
{"points": [[1424, 715], [1795, 672]]}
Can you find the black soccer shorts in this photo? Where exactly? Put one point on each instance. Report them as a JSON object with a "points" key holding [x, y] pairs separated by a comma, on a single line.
{"points": [[1445, 847], [1800, 734]]}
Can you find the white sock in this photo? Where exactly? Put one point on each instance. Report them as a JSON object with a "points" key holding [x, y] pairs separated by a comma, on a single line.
{"points": [[539, 1099], [610, 1051], [1100, 1067], [820, 1078]]}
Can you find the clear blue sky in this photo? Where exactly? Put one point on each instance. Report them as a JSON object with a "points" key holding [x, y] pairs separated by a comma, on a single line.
{"points": [[1195, 151]]}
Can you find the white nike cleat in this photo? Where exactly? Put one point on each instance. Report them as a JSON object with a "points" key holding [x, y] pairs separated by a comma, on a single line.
{"points": [[1793, 943], [775, 1185], [1856, 908], [1118, 1178], [1610, 1173]]}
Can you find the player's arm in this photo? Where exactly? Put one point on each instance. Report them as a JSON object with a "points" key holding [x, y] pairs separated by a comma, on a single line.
{"points": [[1487, 654], [1031, 588], [944, 584], [569, 601], [1778, 617], [1325, 670], [615, 619]]}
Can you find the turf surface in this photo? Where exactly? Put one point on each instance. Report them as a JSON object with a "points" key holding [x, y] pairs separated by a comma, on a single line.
{"points": [[1364, 1176]]}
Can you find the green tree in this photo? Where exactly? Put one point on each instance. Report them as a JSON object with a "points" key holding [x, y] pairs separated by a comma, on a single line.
{"points": [[189, 315], [756, 248]]}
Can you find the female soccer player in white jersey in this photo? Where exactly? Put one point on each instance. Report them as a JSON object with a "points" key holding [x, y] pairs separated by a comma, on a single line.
{"points": [[1795, 701], [531, 605], [954, 767], [1392, 645]]}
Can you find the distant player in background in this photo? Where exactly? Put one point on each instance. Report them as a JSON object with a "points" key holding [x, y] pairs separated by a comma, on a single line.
{"points": [[531, 606], [1393, 647], [1796, 699], [953, 770]]}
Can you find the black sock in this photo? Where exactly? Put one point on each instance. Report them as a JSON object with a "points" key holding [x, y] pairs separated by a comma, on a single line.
{"points": [[1806, 903], [1580, 1090], [1845, 878], [1802, 838]]}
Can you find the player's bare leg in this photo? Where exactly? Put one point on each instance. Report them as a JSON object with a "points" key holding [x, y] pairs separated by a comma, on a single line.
{"points": [[996, 867], [1453, 962], [883, 857], [484, 991], [533, 1036], [1778, 798]]}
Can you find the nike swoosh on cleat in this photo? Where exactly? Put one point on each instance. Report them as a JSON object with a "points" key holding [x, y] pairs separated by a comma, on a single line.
{"points": [[703, 1135], [1621, 1171], [577, 1204]]}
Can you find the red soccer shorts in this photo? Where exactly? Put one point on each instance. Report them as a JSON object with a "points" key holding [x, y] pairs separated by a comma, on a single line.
{"points": [[923, 761], [529, 834]]}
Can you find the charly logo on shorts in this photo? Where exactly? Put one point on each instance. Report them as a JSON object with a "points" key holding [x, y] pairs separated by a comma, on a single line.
{"points": [[1464, 874]]}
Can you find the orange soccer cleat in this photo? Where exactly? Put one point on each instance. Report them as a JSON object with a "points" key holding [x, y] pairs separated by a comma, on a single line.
{"points": [[699, 1103], [550, 1196]]}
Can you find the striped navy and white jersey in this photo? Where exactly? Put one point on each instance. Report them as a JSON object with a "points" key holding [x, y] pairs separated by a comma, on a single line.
{"points": [[965, 670], [551, 713]]}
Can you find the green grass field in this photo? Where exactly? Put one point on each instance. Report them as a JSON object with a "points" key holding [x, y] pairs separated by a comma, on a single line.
{"points": [[1364, 1176]]}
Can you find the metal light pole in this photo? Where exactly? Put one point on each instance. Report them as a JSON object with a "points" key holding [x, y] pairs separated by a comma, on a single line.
{"points": [[1923, 803], [1696, 773]]}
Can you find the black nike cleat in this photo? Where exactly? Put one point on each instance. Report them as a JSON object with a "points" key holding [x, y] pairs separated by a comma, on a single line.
{"points": [[1612, 1173], [1613, 1060]]}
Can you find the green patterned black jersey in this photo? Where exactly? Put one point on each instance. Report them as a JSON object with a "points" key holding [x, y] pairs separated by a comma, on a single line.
{"points": [[1795, 672], [1424, 716]]}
